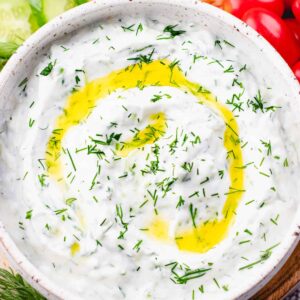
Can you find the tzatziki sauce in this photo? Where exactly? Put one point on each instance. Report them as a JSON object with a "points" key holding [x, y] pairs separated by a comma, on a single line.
{"points": [[150, 159]]}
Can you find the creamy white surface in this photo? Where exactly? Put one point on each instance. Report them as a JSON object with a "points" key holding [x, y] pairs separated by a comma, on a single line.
{"points": [[107, 272]]}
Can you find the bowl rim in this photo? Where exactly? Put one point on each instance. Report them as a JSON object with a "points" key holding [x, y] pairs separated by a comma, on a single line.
{"points": [[15, 257]]}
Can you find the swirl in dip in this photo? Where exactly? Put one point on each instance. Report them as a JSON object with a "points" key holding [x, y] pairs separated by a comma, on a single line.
{"points": [[150, 160]]}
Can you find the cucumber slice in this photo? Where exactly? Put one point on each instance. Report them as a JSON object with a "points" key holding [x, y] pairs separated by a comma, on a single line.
{"points": [[14, 21], [19, 18], [45, 10], [78, 2], [7, 49], [37, 18], [15, 27], [3, 61], [53, 8]]}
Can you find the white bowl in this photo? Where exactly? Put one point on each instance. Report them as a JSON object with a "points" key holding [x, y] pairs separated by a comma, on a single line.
{"points": [[27, 56]]}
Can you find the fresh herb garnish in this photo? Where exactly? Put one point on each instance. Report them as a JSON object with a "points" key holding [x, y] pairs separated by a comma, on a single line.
{"points": [[263, 257], [181, 274], [193, 213], [143, 58], [171, 32], [28, 215], [14, 287], [48, 69]]}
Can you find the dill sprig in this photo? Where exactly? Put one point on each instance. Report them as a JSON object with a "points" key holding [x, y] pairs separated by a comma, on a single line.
{"points": [[181, 274], [171, 32], [109, 139], [143, 58], [166, 185], [266, 254], [14, 287], [259, 104], [48, 69], [193, 213], [120, 216]]}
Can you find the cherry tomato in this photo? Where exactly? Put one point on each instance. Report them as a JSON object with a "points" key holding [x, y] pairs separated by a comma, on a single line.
{"points": [[288, 4], [239, 7], [296, 9], [294, 28], [273, 29], [296, 70], [217, 3]]}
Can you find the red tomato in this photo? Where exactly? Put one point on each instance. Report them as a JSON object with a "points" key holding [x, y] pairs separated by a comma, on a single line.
{"points": [[288, 3], [239, 7], [217, 3], [296, 9], [294, 27], [296, 70], [273, 29]]}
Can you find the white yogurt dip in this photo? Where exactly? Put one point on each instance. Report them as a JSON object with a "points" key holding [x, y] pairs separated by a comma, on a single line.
{"points": [[150, 160]]}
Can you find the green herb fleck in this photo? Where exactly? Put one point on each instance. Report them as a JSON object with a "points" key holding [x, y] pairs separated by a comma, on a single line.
{"points": [[48, 69]]}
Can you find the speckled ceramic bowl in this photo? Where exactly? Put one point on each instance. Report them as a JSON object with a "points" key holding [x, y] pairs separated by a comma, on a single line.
{"points": [[28, 55]]}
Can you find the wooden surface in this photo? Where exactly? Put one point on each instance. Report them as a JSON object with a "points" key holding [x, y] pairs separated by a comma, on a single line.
{"points": [[287, 278]]}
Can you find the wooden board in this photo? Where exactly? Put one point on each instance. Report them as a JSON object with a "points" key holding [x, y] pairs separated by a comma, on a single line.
{"points": [[286, 280]]}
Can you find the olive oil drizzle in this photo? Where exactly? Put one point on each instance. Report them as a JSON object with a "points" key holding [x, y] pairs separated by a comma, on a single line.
{"points": [[161, 73], [153, 132]]}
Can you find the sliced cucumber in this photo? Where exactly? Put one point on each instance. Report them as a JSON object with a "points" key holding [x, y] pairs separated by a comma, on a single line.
{"points": [[45, 10], [15, 27], [3, 61], [37, 17], [19, 18], [14, 21], [78, 2], [7, 49], [53, 8]]}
